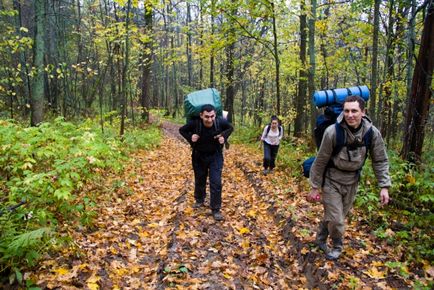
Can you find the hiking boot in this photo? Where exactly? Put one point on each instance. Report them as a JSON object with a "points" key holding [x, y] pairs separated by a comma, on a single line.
{"points": [[217, 216], [334, 254], [337, 249], [265, 172], [197, 204], [322, 245], [321, 237]]}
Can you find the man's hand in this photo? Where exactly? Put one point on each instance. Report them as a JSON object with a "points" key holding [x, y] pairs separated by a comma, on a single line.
{"points": [[220, 138], [314, 195], [384, 196], [194, 138]]}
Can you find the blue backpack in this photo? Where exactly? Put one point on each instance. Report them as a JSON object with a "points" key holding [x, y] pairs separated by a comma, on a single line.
{"points": [[340, 143]]}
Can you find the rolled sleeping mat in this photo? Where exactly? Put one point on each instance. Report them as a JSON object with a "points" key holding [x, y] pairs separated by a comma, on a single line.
{"points": [[338, 96]]}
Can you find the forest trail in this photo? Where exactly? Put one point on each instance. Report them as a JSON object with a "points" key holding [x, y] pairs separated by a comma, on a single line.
{"points": [[148, 236]]}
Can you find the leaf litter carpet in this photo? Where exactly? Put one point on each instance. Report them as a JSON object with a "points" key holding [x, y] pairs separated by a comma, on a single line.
{"points": [[147, 235]]}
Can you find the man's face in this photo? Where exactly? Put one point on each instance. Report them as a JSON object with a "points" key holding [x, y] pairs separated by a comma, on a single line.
{"points": [[208, 118], [353, 114]]}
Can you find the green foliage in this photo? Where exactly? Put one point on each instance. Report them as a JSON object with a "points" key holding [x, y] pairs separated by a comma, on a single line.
{"points": [[245, 135], [408, 220], [48, 166], [143, 139]]}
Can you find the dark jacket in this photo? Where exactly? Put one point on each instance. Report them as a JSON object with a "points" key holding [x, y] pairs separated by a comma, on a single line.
{"points": [[207, 143]]}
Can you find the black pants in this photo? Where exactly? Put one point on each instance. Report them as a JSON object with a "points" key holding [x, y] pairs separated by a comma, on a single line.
{"points": [[205, 164], [270, 154]]}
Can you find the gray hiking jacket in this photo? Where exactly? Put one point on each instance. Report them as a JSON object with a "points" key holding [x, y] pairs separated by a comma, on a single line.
{"points": [[348, 162]]}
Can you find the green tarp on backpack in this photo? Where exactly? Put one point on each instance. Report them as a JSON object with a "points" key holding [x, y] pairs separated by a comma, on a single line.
{"points": [[194, 101]]}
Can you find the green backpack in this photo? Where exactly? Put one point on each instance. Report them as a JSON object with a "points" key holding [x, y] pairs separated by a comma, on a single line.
{"points": [[194, 101]]}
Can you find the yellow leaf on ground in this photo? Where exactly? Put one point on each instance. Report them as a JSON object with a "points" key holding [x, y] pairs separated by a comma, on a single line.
{"points": [[377, 264], [251, 213], [375, 273], [304, 251], [245, 244], [61, 271], [93, 286], [93, 279], [244, 231], [92, 282]]}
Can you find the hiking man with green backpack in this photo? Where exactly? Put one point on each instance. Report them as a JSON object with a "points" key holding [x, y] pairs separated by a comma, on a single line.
{"points": [[207, 136], [335, 173]]}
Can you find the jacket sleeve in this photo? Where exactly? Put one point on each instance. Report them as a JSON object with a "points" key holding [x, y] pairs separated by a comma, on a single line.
{"points": [[323, 157], [226, 128], [187, 131], [264, 133], [380, 161]]}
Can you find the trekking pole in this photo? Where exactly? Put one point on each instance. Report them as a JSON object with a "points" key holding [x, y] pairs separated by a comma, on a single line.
{"points": [[13, 207]]}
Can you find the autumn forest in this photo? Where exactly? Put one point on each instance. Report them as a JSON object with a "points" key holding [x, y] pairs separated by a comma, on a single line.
{"points": [[96, 184]]}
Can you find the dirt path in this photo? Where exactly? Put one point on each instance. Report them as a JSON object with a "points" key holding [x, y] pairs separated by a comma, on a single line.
{"points": [[148, 236]]}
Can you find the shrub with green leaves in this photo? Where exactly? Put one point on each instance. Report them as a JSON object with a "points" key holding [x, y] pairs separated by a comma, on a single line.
{"points": [[411, 210], [48, 166]]}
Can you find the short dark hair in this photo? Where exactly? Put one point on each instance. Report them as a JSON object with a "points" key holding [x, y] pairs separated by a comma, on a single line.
{"points": [[207, 107], [356, 98], [274, 117]]}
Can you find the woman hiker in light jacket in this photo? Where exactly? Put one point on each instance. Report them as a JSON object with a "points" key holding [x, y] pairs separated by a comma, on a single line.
{"points": [[271, 137]]}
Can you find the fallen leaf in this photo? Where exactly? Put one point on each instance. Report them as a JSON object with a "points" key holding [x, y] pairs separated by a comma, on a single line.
{"points": [[375, 273], [61, 271]]}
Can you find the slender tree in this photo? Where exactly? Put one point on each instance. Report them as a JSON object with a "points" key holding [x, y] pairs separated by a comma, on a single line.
{"points": [[146, 61], [124, 85], [302, 78], [312, 64], [37, 104], [374, 65]]}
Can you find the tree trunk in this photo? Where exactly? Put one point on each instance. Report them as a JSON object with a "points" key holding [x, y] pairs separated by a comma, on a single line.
{"points": [[417, 114], [212, 56], [124, 92], [189, 44], [276, 58], [146, 62], [243, 100], [312, 65], [374, 73], [385, 102], [37, 104], [302, 81], [230, 70], [24, 72], [411, 36]]}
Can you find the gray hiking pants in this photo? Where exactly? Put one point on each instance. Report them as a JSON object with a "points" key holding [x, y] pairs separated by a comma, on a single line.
{"points": [[338, 200]]}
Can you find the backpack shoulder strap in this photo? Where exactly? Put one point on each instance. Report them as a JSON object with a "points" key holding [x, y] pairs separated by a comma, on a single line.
{"points": [[367, 141], [198, 126], [367, 138], [340, 139], [268, 129], [217, 124]]}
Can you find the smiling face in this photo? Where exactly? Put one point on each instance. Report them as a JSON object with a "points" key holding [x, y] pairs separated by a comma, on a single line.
{"points": [[353, 114], [208, 118], [274, 124]]}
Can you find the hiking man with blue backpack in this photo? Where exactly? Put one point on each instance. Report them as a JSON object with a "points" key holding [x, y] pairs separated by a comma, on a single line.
{"points": [[207, 136], [271, 137], [335, 173]]}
